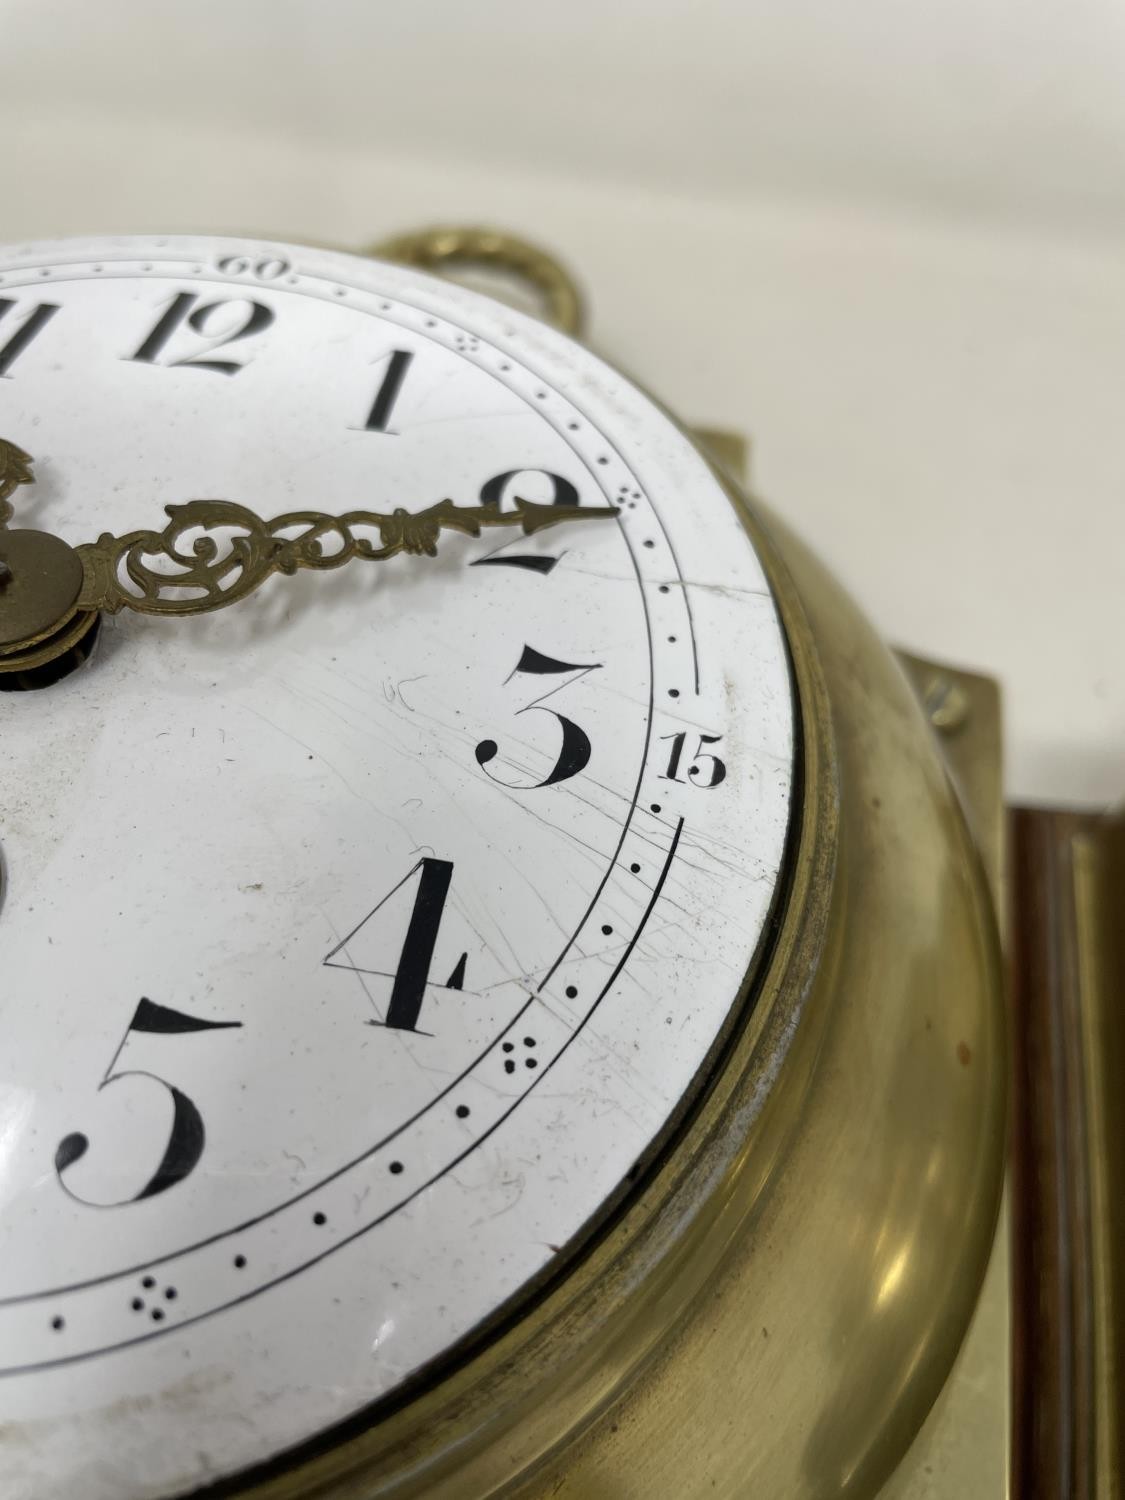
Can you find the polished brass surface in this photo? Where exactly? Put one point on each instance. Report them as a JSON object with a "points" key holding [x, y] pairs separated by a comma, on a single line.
{"points": [[39, 591], [963, 1451], [444, 246], [729, 450], [777, 1310], [40, 575], [965, 711]]}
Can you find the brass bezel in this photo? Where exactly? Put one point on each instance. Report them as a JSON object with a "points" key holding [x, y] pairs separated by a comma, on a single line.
{"points": [[610, 1307], [590, 1391], [521, 1416]]}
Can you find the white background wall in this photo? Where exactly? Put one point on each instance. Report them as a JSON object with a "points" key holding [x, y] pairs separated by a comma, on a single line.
{"points": [[884, 236]]}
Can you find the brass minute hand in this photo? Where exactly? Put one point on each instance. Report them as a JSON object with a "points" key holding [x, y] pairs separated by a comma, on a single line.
{"points": [[254, 549], [160, 565]]}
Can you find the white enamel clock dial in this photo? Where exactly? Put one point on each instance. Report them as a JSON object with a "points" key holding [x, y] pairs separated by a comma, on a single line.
{"points": [[360, 941]]}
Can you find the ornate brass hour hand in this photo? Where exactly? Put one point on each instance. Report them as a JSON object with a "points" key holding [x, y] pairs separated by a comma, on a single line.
{"points": [[210, 554], [161, 565]]}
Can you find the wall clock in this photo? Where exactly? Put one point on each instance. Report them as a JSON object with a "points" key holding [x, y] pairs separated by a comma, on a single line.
{"points": [[501, 994]]}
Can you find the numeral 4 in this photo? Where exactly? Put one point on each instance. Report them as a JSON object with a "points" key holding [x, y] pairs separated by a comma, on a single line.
{"points": [[377, 946]]}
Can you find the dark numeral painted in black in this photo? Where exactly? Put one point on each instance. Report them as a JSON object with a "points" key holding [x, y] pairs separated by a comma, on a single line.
{"points": [[575, 750], [33, 324], [389, 387], [205, 320], [418, 949], [411, 973], [262, 267], [494, 491], [715, 769], [186, 1137]]}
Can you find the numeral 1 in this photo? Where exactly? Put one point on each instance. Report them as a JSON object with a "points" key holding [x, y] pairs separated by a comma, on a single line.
{"points": [[33, 324], [385, 397]]}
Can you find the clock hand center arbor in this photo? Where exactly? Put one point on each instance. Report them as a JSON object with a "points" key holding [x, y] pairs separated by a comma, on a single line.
{"points": [[41, 579], [52, 594]]}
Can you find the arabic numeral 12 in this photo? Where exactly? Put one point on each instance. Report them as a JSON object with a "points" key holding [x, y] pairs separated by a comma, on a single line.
{"points": [[215, 324], [703, 768]]}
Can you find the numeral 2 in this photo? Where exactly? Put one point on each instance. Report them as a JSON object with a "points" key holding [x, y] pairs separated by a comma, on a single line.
{"points": [[494, 491], [202, 320], [33, 324]]}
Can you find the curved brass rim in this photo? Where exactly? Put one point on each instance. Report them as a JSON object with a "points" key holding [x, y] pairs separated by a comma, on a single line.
{"points": [[485, 1425], [570, 1353]]}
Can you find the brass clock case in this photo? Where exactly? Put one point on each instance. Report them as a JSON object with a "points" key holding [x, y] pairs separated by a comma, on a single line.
{"points": [[776, 1308], [784, 1286]]}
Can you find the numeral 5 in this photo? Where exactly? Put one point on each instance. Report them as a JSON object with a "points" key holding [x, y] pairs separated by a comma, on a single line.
{"points": [[186, 1137]]}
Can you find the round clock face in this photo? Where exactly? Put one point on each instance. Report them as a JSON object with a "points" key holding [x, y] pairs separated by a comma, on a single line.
{"points": [[359, 941]]}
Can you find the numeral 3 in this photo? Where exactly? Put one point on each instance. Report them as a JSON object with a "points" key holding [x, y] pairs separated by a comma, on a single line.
{"points": [[575, 749]]}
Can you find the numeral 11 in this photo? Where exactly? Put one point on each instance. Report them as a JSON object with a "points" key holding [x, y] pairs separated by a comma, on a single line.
{"points": [[33, 324]]}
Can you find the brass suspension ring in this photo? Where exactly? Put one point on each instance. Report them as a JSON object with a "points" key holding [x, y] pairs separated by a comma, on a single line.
{"points": [[434, 249]]}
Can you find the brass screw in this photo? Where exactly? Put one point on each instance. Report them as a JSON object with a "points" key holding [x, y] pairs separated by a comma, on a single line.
{"points": [[946, 704]]}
